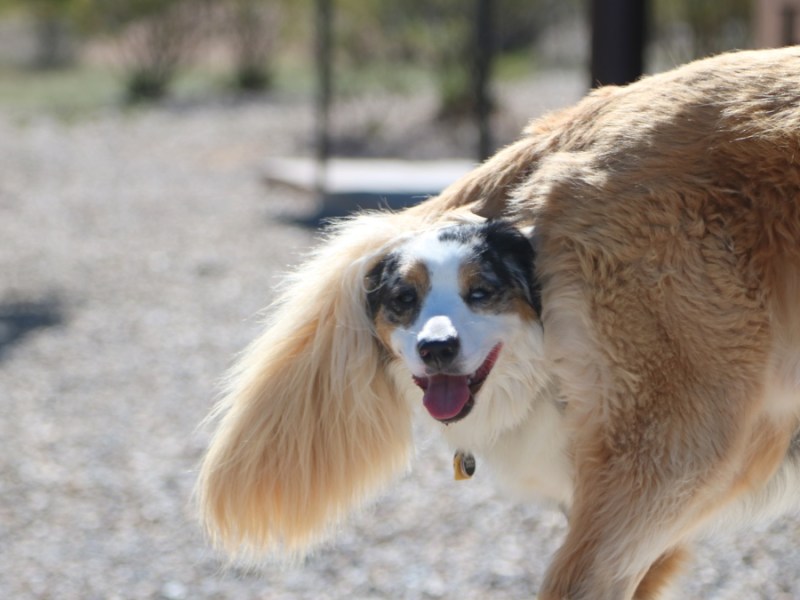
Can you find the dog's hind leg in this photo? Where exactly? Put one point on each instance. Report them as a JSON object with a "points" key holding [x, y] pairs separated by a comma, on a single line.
{"points": [[654, 464], [640, 491], [668, 421]]}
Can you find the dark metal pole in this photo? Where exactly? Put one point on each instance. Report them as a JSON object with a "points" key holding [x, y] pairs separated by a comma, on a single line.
{"points": [[483, 70], [788, 18], [324, 59], [618, 37]]}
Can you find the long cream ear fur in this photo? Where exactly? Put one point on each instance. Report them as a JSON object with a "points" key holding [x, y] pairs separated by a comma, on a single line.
{"points": [[311, 425]]}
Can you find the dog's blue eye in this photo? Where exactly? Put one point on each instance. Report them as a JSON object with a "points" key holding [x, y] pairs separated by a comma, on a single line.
{"points": [[479, 294], [404, 299]]}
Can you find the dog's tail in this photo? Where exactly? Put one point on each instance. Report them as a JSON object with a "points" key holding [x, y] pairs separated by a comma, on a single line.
{"points": [[487, 190]]}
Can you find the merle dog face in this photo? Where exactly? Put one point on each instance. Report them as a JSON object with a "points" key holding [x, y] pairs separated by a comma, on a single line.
{"points": [[445, 301]]}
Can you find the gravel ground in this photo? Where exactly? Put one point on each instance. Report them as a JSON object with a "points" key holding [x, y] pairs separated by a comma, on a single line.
{"points": [[136, 252]]}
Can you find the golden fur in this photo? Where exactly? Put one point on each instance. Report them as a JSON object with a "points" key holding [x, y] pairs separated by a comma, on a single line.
{"points": [[667, 220]]}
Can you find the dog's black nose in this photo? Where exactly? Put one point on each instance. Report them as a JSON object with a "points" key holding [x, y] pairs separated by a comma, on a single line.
{"points": [[438, 353]]}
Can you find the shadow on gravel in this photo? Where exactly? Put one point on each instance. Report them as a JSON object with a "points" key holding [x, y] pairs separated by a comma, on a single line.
{"points": [[332, 209], [19, 318]]}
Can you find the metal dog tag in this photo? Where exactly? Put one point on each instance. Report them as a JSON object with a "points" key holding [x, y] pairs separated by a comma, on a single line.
{"points": [[463, 465]]}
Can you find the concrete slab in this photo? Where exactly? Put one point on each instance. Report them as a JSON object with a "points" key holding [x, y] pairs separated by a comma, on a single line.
{"points": [[351, 184]]}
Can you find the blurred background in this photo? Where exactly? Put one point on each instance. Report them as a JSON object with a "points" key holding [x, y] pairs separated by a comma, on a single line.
{"points": [[74, 57], [163, 162]]}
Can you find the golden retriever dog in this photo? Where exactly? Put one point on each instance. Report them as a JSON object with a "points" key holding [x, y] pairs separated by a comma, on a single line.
{"points": [[645, 349]]}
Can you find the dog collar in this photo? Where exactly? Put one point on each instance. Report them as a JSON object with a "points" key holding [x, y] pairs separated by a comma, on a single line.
{"points": [[463, 465]]}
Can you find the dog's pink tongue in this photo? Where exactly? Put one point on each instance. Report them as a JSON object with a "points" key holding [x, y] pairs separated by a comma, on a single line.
{"points": [[446, 396]]}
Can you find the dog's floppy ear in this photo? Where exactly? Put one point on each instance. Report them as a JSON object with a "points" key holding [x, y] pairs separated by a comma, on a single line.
{"points": [[529, 233], [311, 423], [515, 245]]}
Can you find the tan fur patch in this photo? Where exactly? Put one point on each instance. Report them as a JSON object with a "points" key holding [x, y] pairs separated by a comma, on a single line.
{"points": [[469, 277], [523, 308], [416, 275]]}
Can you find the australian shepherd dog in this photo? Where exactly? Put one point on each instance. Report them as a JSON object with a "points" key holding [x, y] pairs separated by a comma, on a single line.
{"points": [[606, 313]]}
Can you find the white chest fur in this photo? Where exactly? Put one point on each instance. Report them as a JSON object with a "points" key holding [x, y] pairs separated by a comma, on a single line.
{"points": [[529, 460]]}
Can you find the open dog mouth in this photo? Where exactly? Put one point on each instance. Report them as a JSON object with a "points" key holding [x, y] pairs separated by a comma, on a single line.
{"points": [[450, 398]]}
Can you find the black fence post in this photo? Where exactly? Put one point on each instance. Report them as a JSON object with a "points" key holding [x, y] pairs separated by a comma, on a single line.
{"points": [[484, 53], [324, 59], [618, 37], [788, 19]]}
